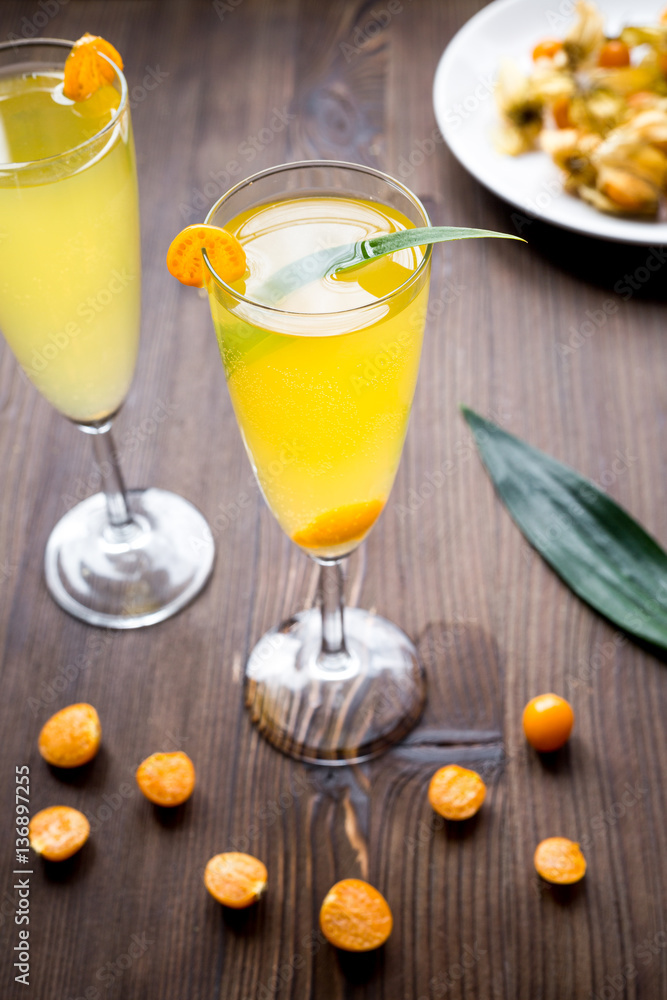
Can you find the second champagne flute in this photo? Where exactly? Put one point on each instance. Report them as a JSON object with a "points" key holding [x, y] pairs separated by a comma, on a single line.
{"points": [[70, 279]]}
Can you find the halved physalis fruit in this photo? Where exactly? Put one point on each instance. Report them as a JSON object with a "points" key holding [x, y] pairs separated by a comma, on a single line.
{"points": [[456, 792], [185, 260], [167, 779], [338, 526], [85, 69], [355, 916], [559, 860], [58, 832], [236, 880], [71, 737]]}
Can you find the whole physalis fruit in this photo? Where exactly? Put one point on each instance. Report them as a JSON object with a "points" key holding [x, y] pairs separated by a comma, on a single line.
{"points": [[185, 259], [58, 832], [167, 779], [71, 737], [547, 722], [560, 861], [456, 792], [355, 916], [235, 879], [547, 48], [86, 69]]}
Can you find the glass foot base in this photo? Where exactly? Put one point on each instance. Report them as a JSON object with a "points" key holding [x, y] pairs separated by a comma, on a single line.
{"points": [[131, 576], [371, 700]]}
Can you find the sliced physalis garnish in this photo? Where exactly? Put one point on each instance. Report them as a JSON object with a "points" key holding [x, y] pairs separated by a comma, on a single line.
{"points": [[185, 260], [338, 526], [85, 69]]}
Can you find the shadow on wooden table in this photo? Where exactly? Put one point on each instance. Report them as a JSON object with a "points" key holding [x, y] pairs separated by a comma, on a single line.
{"points": [[170, 816], [73, 869], [458, 830], [566, 895], [239, 922], [360, 967], [628, 271], [87, 775], [556, 761], [648, 647]]}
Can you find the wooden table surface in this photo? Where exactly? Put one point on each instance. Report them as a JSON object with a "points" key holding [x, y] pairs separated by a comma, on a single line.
{"points": [[228, 88]]}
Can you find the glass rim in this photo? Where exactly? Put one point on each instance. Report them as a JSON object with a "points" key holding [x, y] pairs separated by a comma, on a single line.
{"points": [[301, 164], [63, 43]]}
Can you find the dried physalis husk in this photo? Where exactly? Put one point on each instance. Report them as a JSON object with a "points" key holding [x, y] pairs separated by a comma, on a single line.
{"points": [[624, 149], [651, 126], [598, 111], [586, 36], [626, 80], [653, 35], [627, 193], [549, 84], [571, 150], [520, 109]]}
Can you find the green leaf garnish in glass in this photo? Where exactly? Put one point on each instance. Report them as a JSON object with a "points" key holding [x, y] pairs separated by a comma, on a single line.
{"points": [[349, 256], [600, 552]]}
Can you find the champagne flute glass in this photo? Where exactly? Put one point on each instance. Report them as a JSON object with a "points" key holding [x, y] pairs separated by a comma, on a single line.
{"points": [[69, 310], [322, 385]]}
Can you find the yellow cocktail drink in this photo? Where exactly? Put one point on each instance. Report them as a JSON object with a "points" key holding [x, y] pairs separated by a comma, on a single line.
{"points": [[321, 367], [70, 310], [69, 243], [323, 393]]}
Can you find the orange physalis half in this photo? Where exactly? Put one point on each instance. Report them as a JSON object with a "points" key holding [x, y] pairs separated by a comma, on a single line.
{"points": [[355, 916], [185, 260], [167, 779], [58, 832], [338, 526], [560, 861], [236, 880], [456, 792], [85, 68]]}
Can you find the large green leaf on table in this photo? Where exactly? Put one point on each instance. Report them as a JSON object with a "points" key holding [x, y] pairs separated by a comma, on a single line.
{"points": [[604, 555]]}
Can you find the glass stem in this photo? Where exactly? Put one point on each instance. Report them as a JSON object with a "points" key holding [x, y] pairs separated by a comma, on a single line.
{"points": [[330, 594], [113, 484]]}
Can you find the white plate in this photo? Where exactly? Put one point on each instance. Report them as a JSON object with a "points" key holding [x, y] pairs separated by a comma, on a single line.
{"points": [[466, 112]]}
